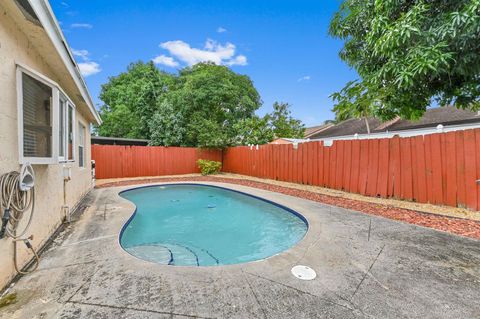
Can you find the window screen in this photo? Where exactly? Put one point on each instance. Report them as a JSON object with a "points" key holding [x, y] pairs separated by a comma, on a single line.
{"points": [[81, 145], [37, 124], [61, 132], [70, 132]]}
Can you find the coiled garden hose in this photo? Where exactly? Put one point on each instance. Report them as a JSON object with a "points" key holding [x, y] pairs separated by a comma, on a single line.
{"points": [[17, 197]]}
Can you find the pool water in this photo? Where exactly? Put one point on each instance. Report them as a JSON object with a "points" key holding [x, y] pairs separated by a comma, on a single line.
{"points": [[200, 225]]}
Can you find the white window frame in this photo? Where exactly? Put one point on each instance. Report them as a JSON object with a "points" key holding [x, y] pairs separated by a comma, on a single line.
{"points": [[62, 158], [83, 128], [54, 115], [74, 132], [66, 125]]}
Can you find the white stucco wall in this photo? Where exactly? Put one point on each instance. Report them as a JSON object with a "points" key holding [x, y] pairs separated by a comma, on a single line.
{"points": [[16, 48]]}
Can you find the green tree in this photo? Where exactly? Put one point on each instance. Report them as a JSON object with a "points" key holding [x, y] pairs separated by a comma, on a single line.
{"points": [[205, 105], [255, 130], [118, 121], [409, 54], [350, 102], [283, 124], [130, 100], [167, 126], [210, 99]]}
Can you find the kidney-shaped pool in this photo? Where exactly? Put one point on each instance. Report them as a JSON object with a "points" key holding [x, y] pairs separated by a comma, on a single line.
{"points": [[203, 225]]}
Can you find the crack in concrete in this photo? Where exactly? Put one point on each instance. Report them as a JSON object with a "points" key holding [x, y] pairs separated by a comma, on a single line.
{"points": [[363, 269], [308, 249], [95, 261], [305, 292], [86, 241], [354, 306], [81, 286], [69, 299], [369, 229], [67, 265], [254, 294], [367, 272], [138, 309]]}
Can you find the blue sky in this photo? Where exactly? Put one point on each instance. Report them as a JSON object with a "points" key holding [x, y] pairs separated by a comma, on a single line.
{"points": [[283, 46]]}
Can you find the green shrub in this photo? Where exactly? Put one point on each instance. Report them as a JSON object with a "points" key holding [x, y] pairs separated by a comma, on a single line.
{"points": [[209, 167]]}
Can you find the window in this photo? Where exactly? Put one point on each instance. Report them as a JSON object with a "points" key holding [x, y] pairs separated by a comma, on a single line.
{"points": [[46, 119], [81, 145], [37, 127], [65, 129], [61, 128], [70, 139]]}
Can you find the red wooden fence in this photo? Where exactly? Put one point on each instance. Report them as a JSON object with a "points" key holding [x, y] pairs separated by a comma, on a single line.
{"points": [[112, 161], [437, 168]]}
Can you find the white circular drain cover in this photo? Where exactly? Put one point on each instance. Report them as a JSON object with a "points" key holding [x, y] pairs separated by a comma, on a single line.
{"points": [[304, 272]]}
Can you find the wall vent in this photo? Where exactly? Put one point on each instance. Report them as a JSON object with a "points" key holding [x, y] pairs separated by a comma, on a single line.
{"points": [[28, 12]]}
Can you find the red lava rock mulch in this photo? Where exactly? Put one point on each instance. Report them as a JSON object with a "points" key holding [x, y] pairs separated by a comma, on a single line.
{"points": [[462, 227]]}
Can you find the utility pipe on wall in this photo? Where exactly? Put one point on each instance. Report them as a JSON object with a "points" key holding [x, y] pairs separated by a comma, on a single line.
{"points": [[67, 176]]}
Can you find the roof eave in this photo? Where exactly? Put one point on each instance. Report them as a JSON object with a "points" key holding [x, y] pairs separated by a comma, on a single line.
{"points": [[47, 18]]}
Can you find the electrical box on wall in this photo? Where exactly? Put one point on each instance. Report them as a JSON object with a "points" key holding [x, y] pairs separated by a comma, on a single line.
{"points": [[67, 173]]}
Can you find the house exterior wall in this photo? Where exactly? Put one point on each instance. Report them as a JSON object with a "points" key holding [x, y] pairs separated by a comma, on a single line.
{"points": [[16, 48]]}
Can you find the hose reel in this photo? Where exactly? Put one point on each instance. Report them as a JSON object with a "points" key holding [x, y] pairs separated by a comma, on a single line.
{"points": [[17, 197]]}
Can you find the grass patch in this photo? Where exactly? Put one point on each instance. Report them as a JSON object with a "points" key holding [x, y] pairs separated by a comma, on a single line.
{"points": [[8, 300]]}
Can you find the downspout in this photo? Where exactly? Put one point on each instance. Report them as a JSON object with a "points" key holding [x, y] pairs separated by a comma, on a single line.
{"points": [[66, 178]]}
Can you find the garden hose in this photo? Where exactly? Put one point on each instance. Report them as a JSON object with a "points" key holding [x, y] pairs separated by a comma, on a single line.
{"points": [[17, 197]]}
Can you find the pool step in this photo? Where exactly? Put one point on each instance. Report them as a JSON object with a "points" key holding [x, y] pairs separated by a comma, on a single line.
{"points": [[205, 258], [152, 252], [174, 254], [182, 255]]}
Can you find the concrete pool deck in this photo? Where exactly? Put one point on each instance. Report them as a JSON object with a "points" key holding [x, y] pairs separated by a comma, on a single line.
{"points": [[367, 267]]}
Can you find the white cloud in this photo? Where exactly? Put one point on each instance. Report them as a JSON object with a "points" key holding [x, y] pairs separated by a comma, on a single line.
{"points": [[83, 54], [165, 60], [221, 30], [86, 67], [212, 51], [304, 78], [238, 60], [81, 25], [89, 68]]}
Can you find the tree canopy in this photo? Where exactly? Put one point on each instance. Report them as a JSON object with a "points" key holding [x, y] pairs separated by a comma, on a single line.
{"points": [[283, 124], [408, 54], [209, 100], [205, 105], [261, 130], [130, 100]]}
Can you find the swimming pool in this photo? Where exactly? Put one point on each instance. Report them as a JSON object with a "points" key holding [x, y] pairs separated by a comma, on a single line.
{"points": [[203, 225]]}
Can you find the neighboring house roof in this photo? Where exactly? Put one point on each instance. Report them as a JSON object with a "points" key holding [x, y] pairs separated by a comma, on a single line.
{"points": [[348, 127], [41, 15], [289, 140], [102, 140], [309, 131], [447, 115]]}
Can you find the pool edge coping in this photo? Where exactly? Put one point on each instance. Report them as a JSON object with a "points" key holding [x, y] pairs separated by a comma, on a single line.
{"points": [[193, 183]]}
